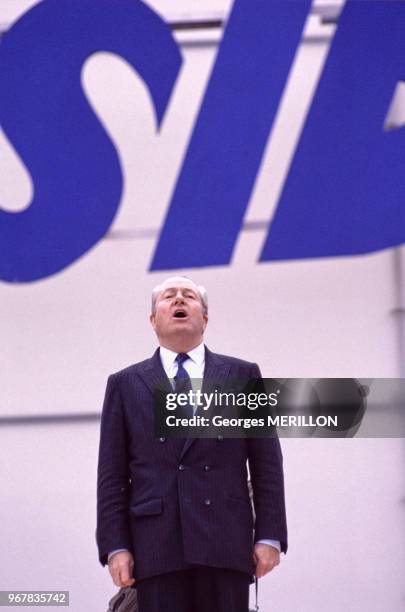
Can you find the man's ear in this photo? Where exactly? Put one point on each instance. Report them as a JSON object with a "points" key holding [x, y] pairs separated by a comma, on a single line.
{"points": [[152, 320], [205, 317]]}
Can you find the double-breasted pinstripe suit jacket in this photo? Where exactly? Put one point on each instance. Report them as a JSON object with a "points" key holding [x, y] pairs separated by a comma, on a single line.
{"points": [[198, 514]]}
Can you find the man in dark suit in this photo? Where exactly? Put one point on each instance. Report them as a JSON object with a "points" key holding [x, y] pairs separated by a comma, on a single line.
{"points": [[174, 515]]}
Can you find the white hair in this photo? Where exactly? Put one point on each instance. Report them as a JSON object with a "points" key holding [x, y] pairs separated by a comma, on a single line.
{"points": [[199, 288]]}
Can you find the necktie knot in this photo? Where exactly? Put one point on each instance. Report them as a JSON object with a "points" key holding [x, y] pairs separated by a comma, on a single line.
{"points": [[181, 358]]}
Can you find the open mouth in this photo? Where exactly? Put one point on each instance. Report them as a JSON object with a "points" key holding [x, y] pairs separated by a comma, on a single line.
{"points": [[180, 314]]}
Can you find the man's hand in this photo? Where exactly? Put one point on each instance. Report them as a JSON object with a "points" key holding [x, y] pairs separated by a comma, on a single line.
{"points": [[265, 558], [121, 566]]}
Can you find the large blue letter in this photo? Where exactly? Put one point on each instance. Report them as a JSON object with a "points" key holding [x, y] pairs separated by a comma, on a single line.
{"points": [[220, 167], [345, 193], [44, 113]]}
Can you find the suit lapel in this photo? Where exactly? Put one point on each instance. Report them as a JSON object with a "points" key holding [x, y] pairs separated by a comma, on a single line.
{"points": [[216, 371], [154, 376]]}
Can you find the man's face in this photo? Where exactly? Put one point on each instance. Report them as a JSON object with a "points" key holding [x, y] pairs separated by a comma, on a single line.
{"points": [[179, 314]]}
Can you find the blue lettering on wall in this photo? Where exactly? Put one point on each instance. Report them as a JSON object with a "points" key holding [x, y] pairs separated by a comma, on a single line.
{"points": [[345, 191], [45, 114], [233, 125], [343, 194]]}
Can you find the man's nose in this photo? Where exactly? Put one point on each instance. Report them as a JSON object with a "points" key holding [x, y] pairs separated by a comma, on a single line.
{"points": [[179, 297]]}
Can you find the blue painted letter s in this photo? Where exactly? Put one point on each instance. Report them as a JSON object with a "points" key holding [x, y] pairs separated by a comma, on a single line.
{"points": [[45, 115]]}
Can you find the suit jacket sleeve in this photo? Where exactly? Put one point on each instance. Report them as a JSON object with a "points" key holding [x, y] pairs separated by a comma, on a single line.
{"points": [[266, 472], [113, 530]]}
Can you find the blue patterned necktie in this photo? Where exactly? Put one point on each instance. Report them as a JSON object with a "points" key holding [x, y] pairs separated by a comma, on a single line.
{"points": [[182, 382]]}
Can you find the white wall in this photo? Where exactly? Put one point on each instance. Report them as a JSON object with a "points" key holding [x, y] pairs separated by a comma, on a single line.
{"points": [[65, 334]]}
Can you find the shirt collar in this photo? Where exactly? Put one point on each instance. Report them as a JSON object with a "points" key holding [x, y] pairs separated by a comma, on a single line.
{"points": [[168, 357], [197, 354]]}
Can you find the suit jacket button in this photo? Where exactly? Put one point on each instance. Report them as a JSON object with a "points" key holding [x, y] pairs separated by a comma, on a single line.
{"points": [[162, 439], [207, 468], [207, 502], [182, 467]]}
